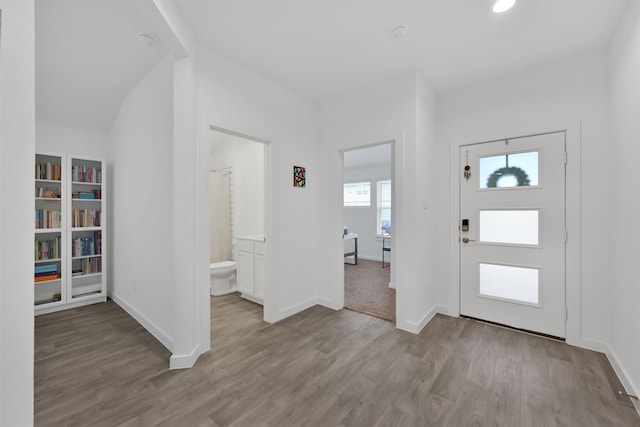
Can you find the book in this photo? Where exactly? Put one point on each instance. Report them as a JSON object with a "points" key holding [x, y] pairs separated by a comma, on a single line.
{"points": [[46, 268], [46, 273], [45, 278]]}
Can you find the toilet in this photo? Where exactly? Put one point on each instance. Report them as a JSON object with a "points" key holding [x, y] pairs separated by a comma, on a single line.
{"points": [[222, 277]]}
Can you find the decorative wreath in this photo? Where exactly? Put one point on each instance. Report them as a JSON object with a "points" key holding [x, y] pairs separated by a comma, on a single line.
{"points": [[521, 176]]}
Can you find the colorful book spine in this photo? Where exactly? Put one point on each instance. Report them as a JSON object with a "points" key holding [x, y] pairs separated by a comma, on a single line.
{"points": [[81, 173], [84, 246], [48, 219], [45, 272], [47, 249], [49, 171], [49, 268], [85, 218]]}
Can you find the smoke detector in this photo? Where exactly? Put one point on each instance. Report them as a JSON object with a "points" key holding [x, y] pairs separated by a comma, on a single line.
{"points": [[399, 31], [145, 38]]}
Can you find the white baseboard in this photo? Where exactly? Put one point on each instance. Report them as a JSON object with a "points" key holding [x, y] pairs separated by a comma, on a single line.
{"points": [[184, 361], [373, 258], [153, 329], [417, 327], [296, 308], [326, 302], [621, 372]]}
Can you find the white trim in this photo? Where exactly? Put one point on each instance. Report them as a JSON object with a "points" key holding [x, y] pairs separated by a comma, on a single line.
{"points": [[253, 299], [417, 327], [153, 329], [184, 361], [66, 306], [623, 376], [326, 302], [296, 308]]}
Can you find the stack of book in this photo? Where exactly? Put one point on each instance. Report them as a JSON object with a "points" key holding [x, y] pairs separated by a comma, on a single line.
{"points": [[85, 266], [47, 249], [80, 173], [83, 246], [46, 272], [85, 218], [48, 219], [87, 195], [49, 171]]}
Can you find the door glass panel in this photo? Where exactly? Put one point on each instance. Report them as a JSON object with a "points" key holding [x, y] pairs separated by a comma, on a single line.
{"points": [[511, 283], [509, 170], [512, 227]]}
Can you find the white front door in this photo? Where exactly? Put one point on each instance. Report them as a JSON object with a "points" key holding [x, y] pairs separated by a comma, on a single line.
{"points": [[512, 232]]}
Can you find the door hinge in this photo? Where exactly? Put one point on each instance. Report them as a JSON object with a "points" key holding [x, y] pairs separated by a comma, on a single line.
{"points": [[566, 314], [566, 157], [566, 236]]}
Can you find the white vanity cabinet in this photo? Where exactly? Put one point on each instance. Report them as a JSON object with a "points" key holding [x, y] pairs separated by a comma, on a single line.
{"points": [[250, 260]]}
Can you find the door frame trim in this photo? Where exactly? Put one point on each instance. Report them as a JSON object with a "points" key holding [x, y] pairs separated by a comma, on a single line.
{"points": [[573, 215]]}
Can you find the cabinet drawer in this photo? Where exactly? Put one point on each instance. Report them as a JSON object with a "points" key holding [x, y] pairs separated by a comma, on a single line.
{"points": [[245, 245], [260, 248]]}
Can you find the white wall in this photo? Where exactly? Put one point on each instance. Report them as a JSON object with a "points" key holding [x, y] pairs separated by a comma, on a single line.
{"points": [[17, 147], [362, 220], [141, 270], [625, 188], [554, 96], [399, 109], [64, 140], [235, 98], [246, 158]]}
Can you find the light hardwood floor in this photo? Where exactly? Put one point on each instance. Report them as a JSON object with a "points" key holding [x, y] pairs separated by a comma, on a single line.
{"points": [[95, 366]]}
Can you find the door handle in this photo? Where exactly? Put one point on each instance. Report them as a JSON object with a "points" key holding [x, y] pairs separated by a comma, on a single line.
{"points": [[467, 240]]}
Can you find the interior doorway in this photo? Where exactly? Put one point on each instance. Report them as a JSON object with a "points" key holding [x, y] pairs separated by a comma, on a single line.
{"points": [[368, 208], [259, 234], [237, 205]]}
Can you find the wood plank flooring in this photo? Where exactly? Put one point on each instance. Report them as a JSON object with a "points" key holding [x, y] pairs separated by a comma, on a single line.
{"points": [[95, 366]]}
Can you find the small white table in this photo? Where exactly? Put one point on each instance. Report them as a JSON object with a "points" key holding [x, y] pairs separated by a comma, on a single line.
{"points": [[349, 252]]}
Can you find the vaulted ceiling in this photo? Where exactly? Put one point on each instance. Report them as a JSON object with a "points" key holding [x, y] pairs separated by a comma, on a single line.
{"points": [[88, 56]]}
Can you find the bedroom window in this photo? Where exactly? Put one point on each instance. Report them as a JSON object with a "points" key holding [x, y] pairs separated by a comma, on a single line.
{"points": [[357, 194], [384, 207]]}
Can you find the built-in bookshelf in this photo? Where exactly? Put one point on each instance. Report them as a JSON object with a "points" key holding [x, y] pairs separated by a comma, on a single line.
{"points": [[69, 248]]}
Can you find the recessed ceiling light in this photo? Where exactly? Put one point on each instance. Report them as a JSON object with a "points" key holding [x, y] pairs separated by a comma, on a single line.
{"points": [[399, 31], [500, 6], [145, 38]]}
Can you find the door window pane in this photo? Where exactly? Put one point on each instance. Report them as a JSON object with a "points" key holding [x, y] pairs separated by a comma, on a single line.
{"points": [[509, 170], [511, 227], [511, 283]]}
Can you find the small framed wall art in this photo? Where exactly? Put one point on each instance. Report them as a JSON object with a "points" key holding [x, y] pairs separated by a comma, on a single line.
{"points": [[299, 176]]}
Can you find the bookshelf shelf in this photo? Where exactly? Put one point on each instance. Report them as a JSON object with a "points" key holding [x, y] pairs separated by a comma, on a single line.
{"points": [[44, 282], [87, 275], [87, 256], [47, 230], [65, 194], [40, 261]]}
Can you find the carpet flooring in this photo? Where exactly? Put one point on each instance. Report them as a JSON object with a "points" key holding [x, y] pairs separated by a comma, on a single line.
{"points": [[366, 289]]}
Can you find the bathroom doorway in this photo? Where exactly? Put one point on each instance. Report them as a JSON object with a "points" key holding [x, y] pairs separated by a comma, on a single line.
{"points": [[237, 207], [368, 186]]}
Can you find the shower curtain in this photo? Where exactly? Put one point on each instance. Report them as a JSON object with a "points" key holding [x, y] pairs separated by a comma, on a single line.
{"points": [[220, 196]]}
